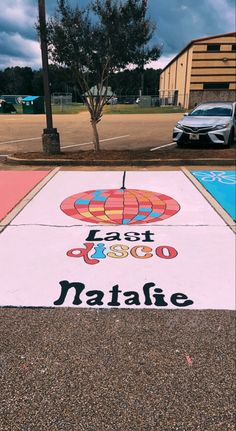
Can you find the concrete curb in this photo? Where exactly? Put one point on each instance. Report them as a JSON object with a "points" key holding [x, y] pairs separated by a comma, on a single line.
{"points": [[149, 162]]}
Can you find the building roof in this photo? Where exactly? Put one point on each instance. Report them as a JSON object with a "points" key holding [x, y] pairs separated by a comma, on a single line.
{"points": [[94, 91], [195, 41], [29, 98]]}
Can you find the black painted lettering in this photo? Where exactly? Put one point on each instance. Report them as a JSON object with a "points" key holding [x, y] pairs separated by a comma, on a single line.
{"points": [[147, 235], [146, 291], [185, 302], [132, 236], [159, 298], [92, 235], [134, 298], [98, 296], [112, 236], [65, 286], [114, 299]]}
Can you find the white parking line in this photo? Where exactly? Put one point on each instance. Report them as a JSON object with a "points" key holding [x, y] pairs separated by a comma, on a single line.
{"points": [[101, 140], [162, 146], [19, 140], [67, 146], [14, 119]]}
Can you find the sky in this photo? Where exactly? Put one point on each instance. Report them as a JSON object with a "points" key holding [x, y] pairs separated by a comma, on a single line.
{"points": [[178, 22]]}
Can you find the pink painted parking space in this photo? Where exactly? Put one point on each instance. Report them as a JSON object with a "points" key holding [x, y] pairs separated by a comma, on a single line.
{"points": [[109, 240], [14, 186]]}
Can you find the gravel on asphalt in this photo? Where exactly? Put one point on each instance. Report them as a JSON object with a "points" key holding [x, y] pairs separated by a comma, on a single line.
{"points": [[74, 369]]}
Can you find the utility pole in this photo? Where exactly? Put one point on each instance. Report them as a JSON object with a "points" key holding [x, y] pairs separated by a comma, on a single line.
{"points": [[50, 136]]}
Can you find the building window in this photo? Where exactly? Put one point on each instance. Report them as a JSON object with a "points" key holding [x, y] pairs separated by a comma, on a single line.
{"points": [[213, 47], [234, 47], [215, 85]]}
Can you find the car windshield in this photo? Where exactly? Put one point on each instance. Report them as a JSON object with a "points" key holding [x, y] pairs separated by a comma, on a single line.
{"points": [[212, 111]]}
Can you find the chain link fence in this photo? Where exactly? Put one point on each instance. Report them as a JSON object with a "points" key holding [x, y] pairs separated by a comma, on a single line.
{"points": [[62, 102]]}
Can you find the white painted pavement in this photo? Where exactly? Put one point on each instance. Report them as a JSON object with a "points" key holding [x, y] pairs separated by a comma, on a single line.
{"points": [[183, 262]]}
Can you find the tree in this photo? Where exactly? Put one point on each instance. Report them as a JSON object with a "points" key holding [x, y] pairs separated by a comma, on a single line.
{"points": [[106, 36], [37, 83], [127, 82], [2, 82], [18, 80]]}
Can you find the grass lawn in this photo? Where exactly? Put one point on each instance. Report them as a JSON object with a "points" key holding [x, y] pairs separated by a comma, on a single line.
{"points": [[136, 109], [75, 108]]}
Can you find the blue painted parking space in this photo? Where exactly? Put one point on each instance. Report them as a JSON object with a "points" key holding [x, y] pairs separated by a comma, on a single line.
{"points": [[222, 186]]}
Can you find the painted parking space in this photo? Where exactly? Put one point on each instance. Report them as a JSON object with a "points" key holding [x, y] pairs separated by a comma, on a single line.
{"points": [[222, 186], [14, 186], [115, 240]]}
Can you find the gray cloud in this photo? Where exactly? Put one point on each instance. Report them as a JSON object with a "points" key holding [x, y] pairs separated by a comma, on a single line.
{"points": [[178, 22]]}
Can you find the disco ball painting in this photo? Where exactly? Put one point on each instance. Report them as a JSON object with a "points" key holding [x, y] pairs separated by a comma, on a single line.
{"points": [[120, 206]]}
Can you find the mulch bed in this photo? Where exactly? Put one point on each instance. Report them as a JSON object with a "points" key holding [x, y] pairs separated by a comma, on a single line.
{"points": [[163, 154]]}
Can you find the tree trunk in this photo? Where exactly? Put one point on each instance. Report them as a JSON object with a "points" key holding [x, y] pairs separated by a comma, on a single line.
{"points": [[95, 136]]}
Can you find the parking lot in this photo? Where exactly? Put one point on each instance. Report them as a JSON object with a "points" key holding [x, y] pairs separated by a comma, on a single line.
{"points": [[23, 132]]}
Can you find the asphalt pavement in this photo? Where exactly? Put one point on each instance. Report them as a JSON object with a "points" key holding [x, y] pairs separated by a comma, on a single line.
{"points": [[117, 370]]}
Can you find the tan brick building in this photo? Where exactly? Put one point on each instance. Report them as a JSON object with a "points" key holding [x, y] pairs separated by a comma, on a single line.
{"points": [[205, 70]]}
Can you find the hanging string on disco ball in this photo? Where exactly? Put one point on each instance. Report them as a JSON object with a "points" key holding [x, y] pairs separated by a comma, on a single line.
{"points": [[120, 206]]}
